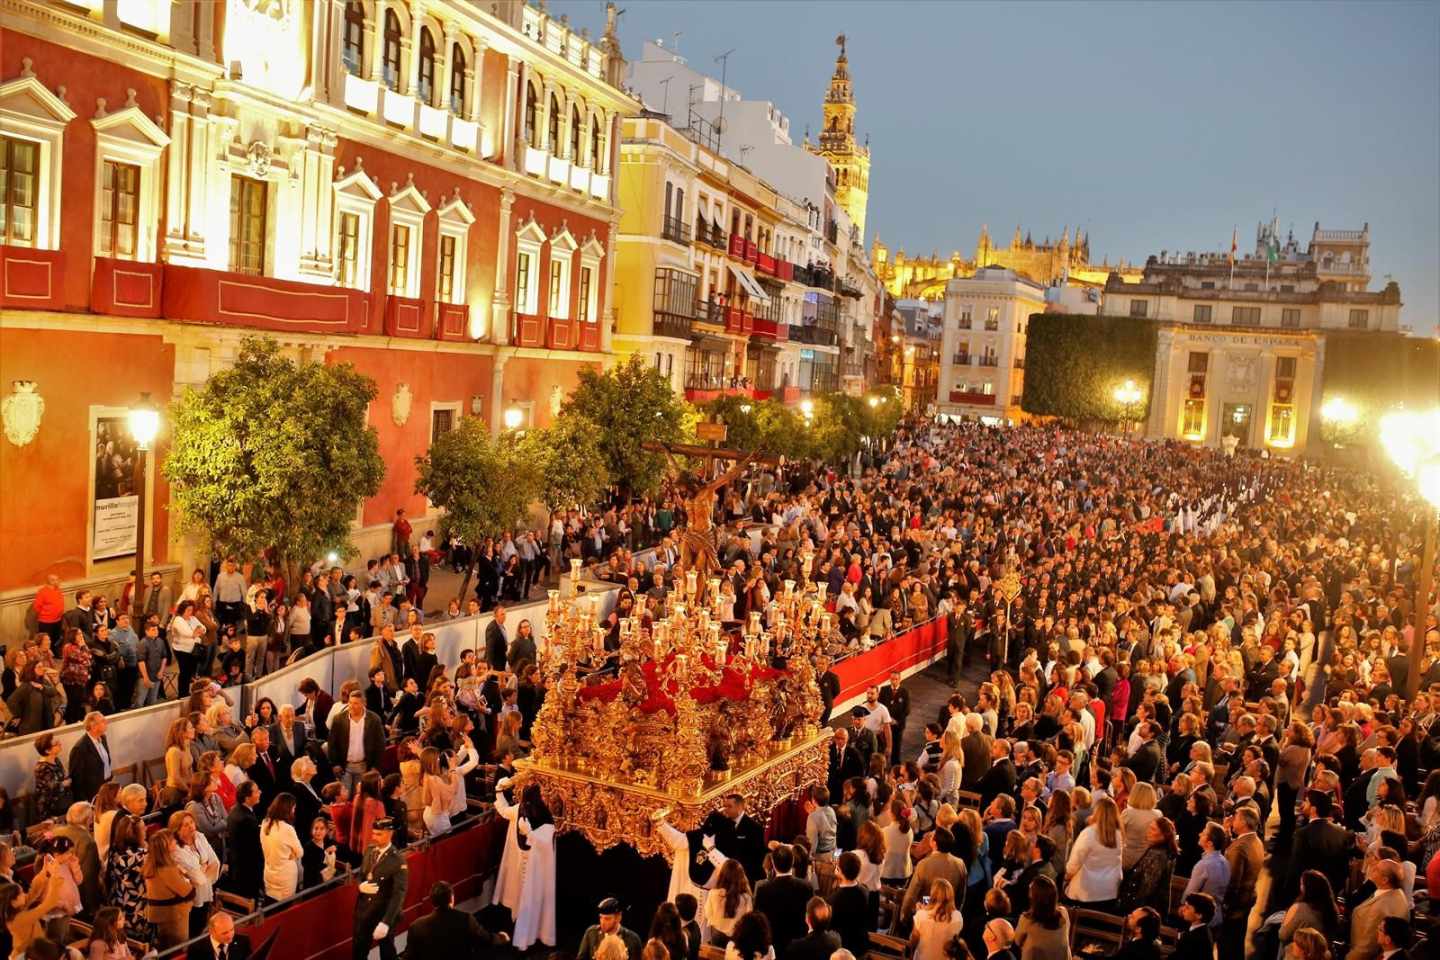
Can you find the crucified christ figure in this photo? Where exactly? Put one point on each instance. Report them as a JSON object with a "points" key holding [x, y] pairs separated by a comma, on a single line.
{"points": [[697, 544]]}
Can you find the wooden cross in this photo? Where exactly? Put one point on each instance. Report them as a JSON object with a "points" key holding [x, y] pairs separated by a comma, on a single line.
{"points": [[709, 455]]}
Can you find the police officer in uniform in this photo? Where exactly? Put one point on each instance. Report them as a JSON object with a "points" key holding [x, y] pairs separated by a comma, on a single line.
{"points": [[383, 874]]}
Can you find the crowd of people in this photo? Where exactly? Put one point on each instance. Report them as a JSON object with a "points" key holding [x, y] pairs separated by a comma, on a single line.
{"points": [[1203, 677]]}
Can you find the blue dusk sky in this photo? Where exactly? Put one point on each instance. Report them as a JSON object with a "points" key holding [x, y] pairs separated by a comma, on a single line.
{"points": [[1152, 126]]}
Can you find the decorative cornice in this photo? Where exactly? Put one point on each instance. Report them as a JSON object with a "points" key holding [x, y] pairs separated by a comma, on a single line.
{"points": [[47, 21]]}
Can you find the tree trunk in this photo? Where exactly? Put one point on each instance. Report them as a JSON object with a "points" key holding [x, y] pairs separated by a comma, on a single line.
{"points": [[465, 584]]}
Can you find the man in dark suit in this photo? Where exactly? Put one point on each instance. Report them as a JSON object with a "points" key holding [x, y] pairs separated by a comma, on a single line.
{"points": [[737, 835], [1321, 844], [975, 749], [495, 643], [348, 758], [819, 941], [242, 843], [1001, 776], [379, 700], [90, 759], [383, 877], [222, 943], [850, 906], [783, 900], [829, 686], [266, 771], [897, 700], [1196, 943], [845, 762], [1147, 760], [449, 932], [288, 741]]}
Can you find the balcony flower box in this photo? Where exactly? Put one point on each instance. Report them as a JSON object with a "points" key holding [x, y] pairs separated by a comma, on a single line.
{"points": [[126, 288], [265, 303], [30, 279], [737, 246], [452, 322]]}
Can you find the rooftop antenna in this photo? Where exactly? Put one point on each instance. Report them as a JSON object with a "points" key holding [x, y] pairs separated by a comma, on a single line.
{"points": [[675, 41], [724, 61]]}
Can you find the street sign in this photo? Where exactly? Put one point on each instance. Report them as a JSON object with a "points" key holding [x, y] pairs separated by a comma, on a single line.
{"points": [[713, 432]]}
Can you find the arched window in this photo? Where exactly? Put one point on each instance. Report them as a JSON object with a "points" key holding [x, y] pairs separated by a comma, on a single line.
{"points": [[457, 79], [575, 135], [597, 144], [391, 59], [555, 116], [354, 49], [532, 124], [427, 67]]}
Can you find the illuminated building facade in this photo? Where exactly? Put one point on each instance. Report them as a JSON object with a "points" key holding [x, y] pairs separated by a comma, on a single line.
{"points": [[982, 355], [1241, 351], [849, 160], [423, 190]]}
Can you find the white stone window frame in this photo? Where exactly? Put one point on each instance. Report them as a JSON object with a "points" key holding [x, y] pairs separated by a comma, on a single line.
{"points": [[530, 240], [562, 255], [592, 256], [408, 208], [455, 221], [356, 193], [128, 136], [29, 111]]}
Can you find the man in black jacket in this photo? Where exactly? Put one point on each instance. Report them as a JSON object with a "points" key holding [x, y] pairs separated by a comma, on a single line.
{"points": [[1001, 777], [346, 757], [820, 942], [265, 772], [448, 932], [90, 759], [845, 762], [783, 900], [897, 700], [221, 942], [1196, 943], [242, 843], [829, 687], [1321, 844], [1147, 759], [495, 642], [737, 835], [850, 906]]}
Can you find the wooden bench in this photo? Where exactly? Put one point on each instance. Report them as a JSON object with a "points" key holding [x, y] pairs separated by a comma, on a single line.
{"points": [[1094, 927], [1177, 893], [967, 798], [885, 947]]}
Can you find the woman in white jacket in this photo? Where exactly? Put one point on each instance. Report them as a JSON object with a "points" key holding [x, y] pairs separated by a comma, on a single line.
{"points": [[1093, 872]]}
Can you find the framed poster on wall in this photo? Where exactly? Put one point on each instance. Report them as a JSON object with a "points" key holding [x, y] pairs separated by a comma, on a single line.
{"points": [[116, 503]]}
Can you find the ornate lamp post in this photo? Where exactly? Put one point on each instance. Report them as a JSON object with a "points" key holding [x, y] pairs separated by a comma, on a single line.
{"points": [[1413, 441], [1128, 396], [144, 423]]}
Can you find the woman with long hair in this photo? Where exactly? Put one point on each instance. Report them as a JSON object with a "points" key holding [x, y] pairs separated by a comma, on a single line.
{"points": [[1058, 826], [195, 856], [281, 846], [870, 847], [1314, 908], [438, 788], [1094, 870], [1147, 881], [727, 902], [667, 930], [365, 808], [168, 893], [179, 764], [124, 874], [751, 940], [936, 923], [107, 938], [1044, 929], [898, 835], [952, 767]]}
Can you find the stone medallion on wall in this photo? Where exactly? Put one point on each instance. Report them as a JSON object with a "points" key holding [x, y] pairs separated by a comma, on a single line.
{"points": [[22, 412], [400, 404]]}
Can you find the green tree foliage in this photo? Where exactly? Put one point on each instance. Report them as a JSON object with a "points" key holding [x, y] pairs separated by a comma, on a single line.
{"points": [[1074, 363], [568, 460], [484, 484], [765, 426], [274, 454], [632, 403], [1376, 372]]}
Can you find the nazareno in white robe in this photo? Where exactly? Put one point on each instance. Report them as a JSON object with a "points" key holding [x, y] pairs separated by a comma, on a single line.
{"points": [[535, 920], [507, 880], [680, 881]]}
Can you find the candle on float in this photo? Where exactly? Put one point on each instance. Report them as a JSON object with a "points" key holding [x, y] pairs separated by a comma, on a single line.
{"points": [[789, 588], [754, 622], [825, 624], [721, 649], [820, 589], [679, 611], [575, 565], [554, 599], [599, 642], [714, 583], [691, 582], [682, 668]]}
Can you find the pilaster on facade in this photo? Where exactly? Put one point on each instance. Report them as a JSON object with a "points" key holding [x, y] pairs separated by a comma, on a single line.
{"points": [[500, 303], [317, 174]]}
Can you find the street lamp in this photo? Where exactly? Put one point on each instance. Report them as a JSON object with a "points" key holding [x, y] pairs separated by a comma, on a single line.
{"points": [[144, 423], [874, 402], [513, 417], [1413, 441], [807, 409], [1128, 395], [1339, 417]]}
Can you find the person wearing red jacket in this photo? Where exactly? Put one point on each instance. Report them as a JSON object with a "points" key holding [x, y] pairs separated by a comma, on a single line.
{"points": [[49, 609]]}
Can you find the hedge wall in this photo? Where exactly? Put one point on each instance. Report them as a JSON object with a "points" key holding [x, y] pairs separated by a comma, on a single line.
{"points": [[1073, 363], [1375, 371]]}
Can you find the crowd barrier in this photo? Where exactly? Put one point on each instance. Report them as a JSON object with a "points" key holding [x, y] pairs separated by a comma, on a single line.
{"points": [[138, 736], [908, 652], [318, 926]]}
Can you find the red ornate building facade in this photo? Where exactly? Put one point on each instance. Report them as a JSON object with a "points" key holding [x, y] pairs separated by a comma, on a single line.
{"points": [[423, 189]]}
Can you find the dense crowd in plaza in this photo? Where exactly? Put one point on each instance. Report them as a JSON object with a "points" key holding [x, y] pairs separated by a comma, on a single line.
{"points": [[1194, 721]]}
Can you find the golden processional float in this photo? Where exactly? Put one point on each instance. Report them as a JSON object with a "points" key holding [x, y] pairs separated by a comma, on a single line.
{"points": [[697, 711]]}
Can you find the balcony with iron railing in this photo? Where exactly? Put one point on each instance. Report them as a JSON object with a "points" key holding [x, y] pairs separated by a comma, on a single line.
{"points": [[992, 325], [989, 361], [675, 230], [961, 359], [810, 333], [710, 234], [710, 311], [673, 325]]}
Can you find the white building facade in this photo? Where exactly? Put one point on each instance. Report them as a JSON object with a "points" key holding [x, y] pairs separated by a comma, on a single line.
{"points": [[982, 356]]}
